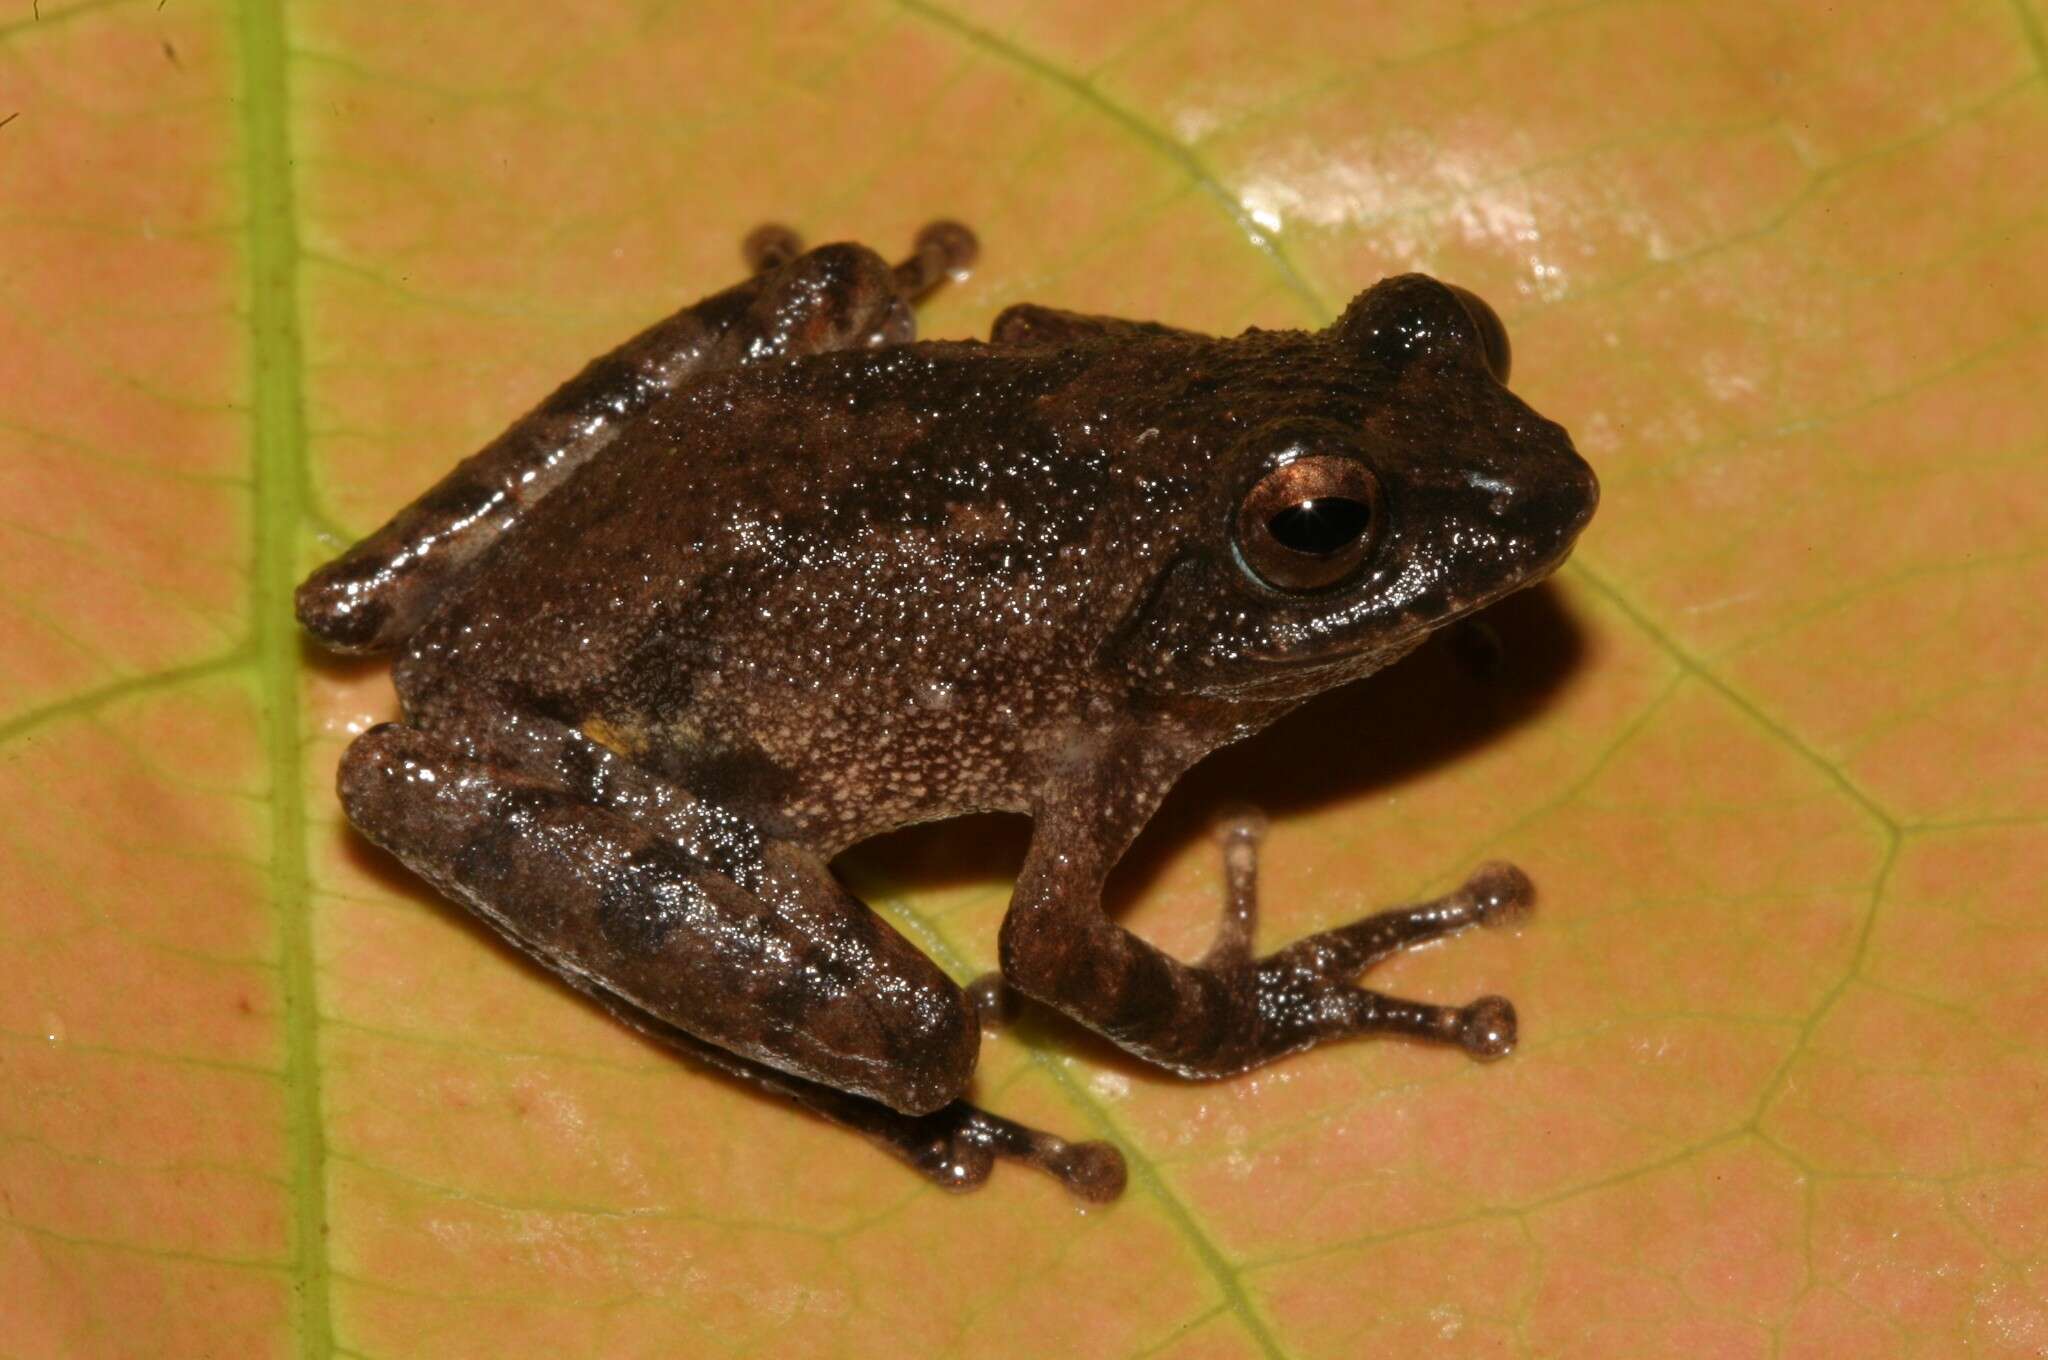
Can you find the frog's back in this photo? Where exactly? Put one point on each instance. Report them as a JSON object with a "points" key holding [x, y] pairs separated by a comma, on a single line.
{"points": [[892, 559]]}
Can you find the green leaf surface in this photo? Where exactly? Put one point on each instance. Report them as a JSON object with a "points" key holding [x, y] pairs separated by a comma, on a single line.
{"points": [[1771, 745]]}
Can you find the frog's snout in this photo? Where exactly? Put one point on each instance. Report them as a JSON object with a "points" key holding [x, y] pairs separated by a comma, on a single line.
{"points": [[1553, 502], [1589, 501]]}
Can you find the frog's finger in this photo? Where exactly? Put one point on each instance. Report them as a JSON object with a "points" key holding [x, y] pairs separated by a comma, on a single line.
{"points": [[1239, 833], [769, 246], [1495, 894], [1486, 1028], [1030, 326], [942, 252]]}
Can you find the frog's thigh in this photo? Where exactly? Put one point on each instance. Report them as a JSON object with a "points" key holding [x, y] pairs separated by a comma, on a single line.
{"points": [[801, 976]]}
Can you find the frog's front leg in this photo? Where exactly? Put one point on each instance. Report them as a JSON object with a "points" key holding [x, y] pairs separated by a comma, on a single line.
{"points": [[1031, 326], [738, 949], [374, 596], [1232, 1011]]}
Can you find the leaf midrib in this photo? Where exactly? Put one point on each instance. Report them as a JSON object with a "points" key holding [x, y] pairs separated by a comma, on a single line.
{"points": [[277, 438]]}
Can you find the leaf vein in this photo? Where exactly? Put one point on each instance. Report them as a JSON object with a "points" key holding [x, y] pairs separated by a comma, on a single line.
{"points": [[277, 437], [1175, 152]]}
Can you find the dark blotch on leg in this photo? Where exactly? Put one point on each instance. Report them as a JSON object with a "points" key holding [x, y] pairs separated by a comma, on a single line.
{"points": [[598, 389], [646, 899], [1142, 991], [456, 499]]}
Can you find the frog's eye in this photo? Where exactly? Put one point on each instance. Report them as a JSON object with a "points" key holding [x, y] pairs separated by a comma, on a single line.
{"points": [[1309, 523], [1398, 320], [1493, 337]]}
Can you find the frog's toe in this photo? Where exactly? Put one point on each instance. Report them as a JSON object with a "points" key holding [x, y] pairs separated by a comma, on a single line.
{"points": [[1487, 1027], [1501, 894], [994, 1002], [1496, 894], [941, 253], [956, 1148], [955, 1163], [1092, 1171], [954, 243]]}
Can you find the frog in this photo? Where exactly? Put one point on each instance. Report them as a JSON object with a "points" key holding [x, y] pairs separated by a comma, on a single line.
{"points": [[774, 576]]}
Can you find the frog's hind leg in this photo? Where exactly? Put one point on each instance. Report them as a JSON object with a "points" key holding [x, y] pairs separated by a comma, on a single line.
{"points": [[955, 1148], [376, 595], [737, 949]]}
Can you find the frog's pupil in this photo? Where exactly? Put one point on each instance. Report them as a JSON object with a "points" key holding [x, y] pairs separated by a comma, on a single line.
{"points": [[1320, 526]]}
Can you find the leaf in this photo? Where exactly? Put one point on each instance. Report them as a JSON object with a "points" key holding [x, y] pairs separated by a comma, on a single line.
{"points": [[1771, 746]]}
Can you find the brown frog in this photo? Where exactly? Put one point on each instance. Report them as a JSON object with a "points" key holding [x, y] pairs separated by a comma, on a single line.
{"points": [[773, 577]]}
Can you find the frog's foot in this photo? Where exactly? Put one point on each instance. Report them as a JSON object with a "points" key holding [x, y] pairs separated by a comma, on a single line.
{"points": [[1304, 993], [694, 929], [955, 1147]]}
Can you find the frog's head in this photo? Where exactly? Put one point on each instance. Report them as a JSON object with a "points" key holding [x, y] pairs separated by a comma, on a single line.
{"points": [[1407, 489]]}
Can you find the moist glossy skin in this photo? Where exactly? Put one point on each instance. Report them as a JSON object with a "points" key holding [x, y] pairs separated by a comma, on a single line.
{"points": [[773, 578]]}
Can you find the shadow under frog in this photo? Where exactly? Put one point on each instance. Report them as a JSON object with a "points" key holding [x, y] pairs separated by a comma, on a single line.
{"points": [[773, 578]]}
